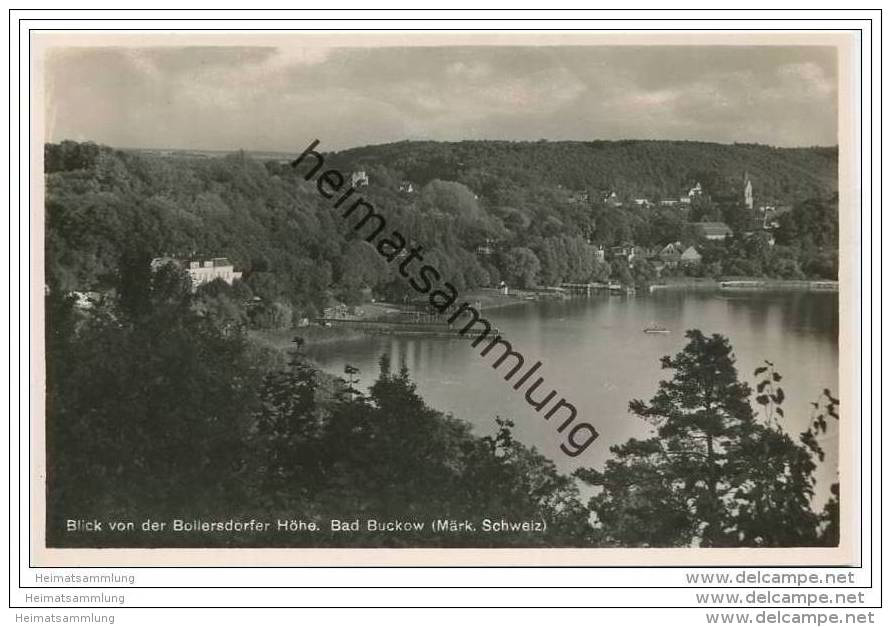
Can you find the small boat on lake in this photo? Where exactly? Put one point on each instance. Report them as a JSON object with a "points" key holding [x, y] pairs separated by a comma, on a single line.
{"points": [[656, 329]]}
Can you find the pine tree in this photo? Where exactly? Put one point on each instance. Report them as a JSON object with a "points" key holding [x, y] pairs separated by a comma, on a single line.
{"points": [[289, 429], [713, 474]]}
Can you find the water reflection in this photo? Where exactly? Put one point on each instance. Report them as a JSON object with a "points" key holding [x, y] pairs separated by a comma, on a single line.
{"points": [[596, 356]]}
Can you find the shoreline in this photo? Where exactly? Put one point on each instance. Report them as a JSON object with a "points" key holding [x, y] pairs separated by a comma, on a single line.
{"points": [[490, 299], [281, 339], [486, 299], [747, 284], [316, 335]]}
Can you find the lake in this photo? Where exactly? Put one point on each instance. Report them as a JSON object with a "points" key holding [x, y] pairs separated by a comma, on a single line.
{"points": [[596, 355]]}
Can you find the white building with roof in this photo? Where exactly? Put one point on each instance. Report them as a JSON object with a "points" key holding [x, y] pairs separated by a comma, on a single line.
{"points": [[359, 179], [202, 272]]}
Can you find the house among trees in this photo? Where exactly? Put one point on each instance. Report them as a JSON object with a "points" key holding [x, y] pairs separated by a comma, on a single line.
{"points": [[627, 252], [770, 215], [359, 179], [670, 254], [578, 198], [599, 254], [487, 249], [612, 199], [85, 300], [713, 231], [690, 257], [201, 272], [688, 196], [404, 186]]}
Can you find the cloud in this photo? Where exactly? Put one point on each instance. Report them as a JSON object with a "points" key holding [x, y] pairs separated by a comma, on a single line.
{"points": [[810, 78], [262, 97]]}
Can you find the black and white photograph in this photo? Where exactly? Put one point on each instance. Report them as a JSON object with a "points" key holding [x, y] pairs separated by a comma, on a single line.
{"points": [[309, 291]]}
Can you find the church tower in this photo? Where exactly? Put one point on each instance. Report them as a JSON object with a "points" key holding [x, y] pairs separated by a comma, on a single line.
{"points": [[747, 191]]}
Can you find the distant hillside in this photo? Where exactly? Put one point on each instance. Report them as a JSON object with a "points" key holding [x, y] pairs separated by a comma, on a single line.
{"points": [[484, 212], [654, 169]]}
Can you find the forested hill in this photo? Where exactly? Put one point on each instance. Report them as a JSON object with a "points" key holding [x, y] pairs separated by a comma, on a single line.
{"points": [[531, 214], [652, 169]]}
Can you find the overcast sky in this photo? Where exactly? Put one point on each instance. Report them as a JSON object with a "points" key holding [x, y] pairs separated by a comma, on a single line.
{"points": [[264, 98]]}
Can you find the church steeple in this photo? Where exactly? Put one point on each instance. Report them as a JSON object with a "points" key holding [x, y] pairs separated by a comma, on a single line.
{"points": [[747, 192]]}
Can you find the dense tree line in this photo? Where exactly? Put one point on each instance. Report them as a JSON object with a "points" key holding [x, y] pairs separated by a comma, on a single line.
{"points": [[155, 410], [641, 168], [514, 201]]}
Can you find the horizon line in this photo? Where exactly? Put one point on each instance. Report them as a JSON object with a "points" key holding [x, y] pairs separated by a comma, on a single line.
{"points": [[453, 141]]}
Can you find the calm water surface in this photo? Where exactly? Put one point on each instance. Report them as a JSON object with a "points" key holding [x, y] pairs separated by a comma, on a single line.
{"points": [[596, 356]]}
